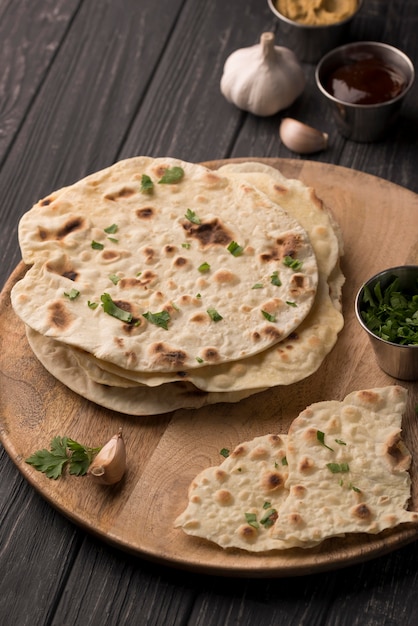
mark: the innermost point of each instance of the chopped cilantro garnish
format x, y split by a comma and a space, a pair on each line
192, 217
257, 286
252, 520
111, 230
199, 359
266, 505
114, 278
321, 438
235, 249
204, 267
113, 239
275, 280
172, 175
92, 305
214, 315
186, 245
72, 294
160, 319
291, 303
147, 185
269, 316
224, 452
284, 461
340, 442
269, 518
96, 245
335, 468
112, 309
391, 313
294, 264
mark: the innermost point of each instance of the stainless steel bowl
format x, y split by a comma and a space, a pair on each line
399, 361
310, 43
364, 122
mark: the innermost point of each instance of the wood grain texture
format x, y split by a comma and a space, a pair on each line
166, 452
55, 573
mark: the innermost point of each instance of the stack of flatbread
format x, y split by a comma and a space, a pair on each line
158, 284
341, 468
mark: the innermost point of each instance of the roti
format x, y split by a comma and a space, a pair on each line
157, 276
345, 471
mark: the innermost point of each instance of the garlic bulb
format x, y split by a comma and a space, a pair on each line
109, 465
301, 138
262, 79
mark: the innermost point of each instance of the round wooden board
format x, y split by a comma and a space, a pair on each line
379, 225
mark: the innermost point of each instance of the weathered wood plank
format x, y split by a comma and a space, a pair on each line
140, 95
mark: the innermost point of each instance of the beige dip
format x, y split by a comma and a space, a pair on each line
317, 12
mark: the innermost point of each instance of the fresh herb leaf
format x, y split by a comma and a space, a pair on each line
356, 489
214, 315
390, 313
275, 280
294, 264
96, 245
172, 175
147, 185
252, 520
268, 316
284, 461
204, 267
235, 249
63, 452
266, 505
340, 442
199, 359
186, 245
81, 457
72, 294
113, 239
160, 319
92, 305
112, 229
114, 278
291, 303
112, 309
192, 217
257, 286
224, 452
321, 438
335, 468
269, 518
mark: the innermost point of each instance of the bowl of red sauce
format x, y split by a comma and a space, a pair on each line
365, 84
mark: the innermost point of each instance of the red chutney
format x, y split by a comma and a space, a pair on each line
365, 80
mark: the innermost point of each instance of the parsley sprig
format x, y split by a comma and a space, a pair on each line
64, 452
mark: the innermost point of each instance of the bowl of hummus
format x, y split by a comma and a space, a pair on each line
311, 28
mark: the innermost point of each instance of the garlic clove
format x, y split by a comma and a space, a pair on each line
301, 138
109, 465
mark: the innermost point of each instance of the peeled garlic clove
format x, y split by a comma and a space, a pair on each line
302, 138
109, 466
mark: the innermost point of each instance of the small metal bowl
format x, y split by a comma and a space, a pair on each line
364, 122
399, 361
310, 43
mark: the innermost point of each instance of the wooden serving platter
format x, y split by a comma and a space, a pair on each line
379, 225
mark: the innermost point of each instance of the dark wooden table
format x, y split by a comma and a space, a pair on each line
84, 83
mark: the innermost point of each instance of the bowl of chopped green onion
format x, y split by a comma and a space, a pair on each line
387, 309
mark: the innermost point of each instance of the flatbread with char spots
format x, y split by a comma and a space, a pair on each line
345, 471
156, 276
